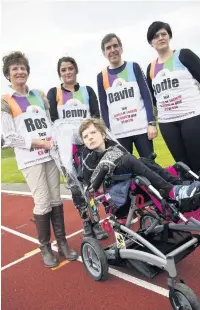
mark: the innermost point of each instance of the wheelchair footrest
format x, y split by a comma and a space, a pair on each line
145, 269
190, 204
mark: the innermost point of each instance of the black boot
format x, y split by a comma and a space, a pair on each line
57, 220
42, 223
98, 231
87, 228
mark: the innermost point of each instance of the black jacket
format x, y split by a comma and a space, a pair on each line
89, 159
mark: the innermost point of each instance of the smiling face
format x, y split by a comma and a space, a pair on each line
68, 73
18, 75
161, 40
113, 52
93, 138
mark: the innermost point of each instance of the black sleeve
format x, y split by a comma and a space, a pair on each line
51, 96
191, 61
144, 91
103, 100
93, 103
149, 82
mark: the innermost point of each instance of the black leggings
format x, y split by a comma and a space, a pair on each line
183, 141
159, 178
143, 145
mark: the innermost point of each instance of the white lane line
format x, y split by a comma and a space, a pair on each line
151, 287
128, 278
5, 191
34, 240
17, 233
18, 261
23, 225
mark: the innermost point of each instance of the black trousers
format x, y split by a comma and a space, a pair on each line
159, 178
143, 145
183, 140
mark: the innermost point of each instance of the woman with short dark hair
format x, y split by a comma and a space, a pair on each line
174, 79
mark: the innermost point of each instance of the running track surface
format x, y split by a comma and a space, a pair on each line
28, 285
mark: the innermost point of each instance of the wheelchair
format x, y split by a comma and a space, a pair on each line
165, 235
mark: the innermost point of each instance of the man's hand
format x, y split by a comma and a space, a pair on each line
152, 132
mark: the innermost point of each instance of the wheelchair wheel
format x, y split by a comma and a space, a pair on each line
147, 220
94, 259
186, 297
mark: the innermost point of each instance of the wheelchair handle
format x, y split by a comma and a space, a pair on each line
139, 180
152, 156
100, 178
181, 166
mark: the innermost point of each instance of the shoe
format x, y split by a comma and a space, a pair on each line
181, 192
98, 232
87, 229
57, 220
42, 223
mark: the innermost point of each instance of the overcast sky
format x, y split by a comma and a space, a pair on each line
48, 30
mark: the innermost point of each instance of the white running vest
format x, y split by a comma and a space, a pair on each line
73, 106
30, 120
176, 91
127, 114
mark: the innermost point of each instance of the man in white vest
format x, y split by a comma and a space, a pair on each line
125, 100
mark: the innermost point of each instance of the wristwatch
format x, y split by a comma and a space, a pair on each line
153, 123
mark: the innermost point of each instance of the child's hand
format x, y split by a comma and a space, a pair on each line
100, 189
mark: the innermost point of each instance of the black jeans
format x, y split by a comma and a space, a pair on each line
143, 145
183, 140
159, 178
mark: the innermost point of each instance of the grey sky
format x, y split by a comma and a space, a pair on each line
48, 30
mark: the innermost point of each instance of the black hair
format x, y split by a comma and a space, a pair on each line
66, 59
109, 37
155, 27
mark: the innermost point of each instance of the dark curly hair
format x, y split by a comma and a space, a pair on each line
155, 27
14, 58
66, 59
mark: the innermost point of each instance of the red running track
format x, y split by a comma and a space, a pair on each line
29, 285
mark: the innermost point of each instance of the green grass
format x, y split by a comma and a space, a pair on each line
9, 170
11, 174
164, 157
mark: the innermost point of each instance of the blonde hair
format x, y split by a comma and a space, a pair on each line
98, 124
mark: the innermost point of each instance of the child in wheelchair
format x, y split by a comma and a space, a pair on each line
110, 174
98, 152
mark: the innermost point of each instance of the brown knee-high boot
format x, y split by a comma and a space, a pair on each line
42, 223
57, 220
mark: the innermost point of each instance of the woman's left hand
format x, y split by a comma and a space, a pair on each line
152, 132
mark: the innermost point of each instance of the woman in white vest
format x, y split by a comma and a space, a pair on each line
26, 127
74, 103
174, 79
